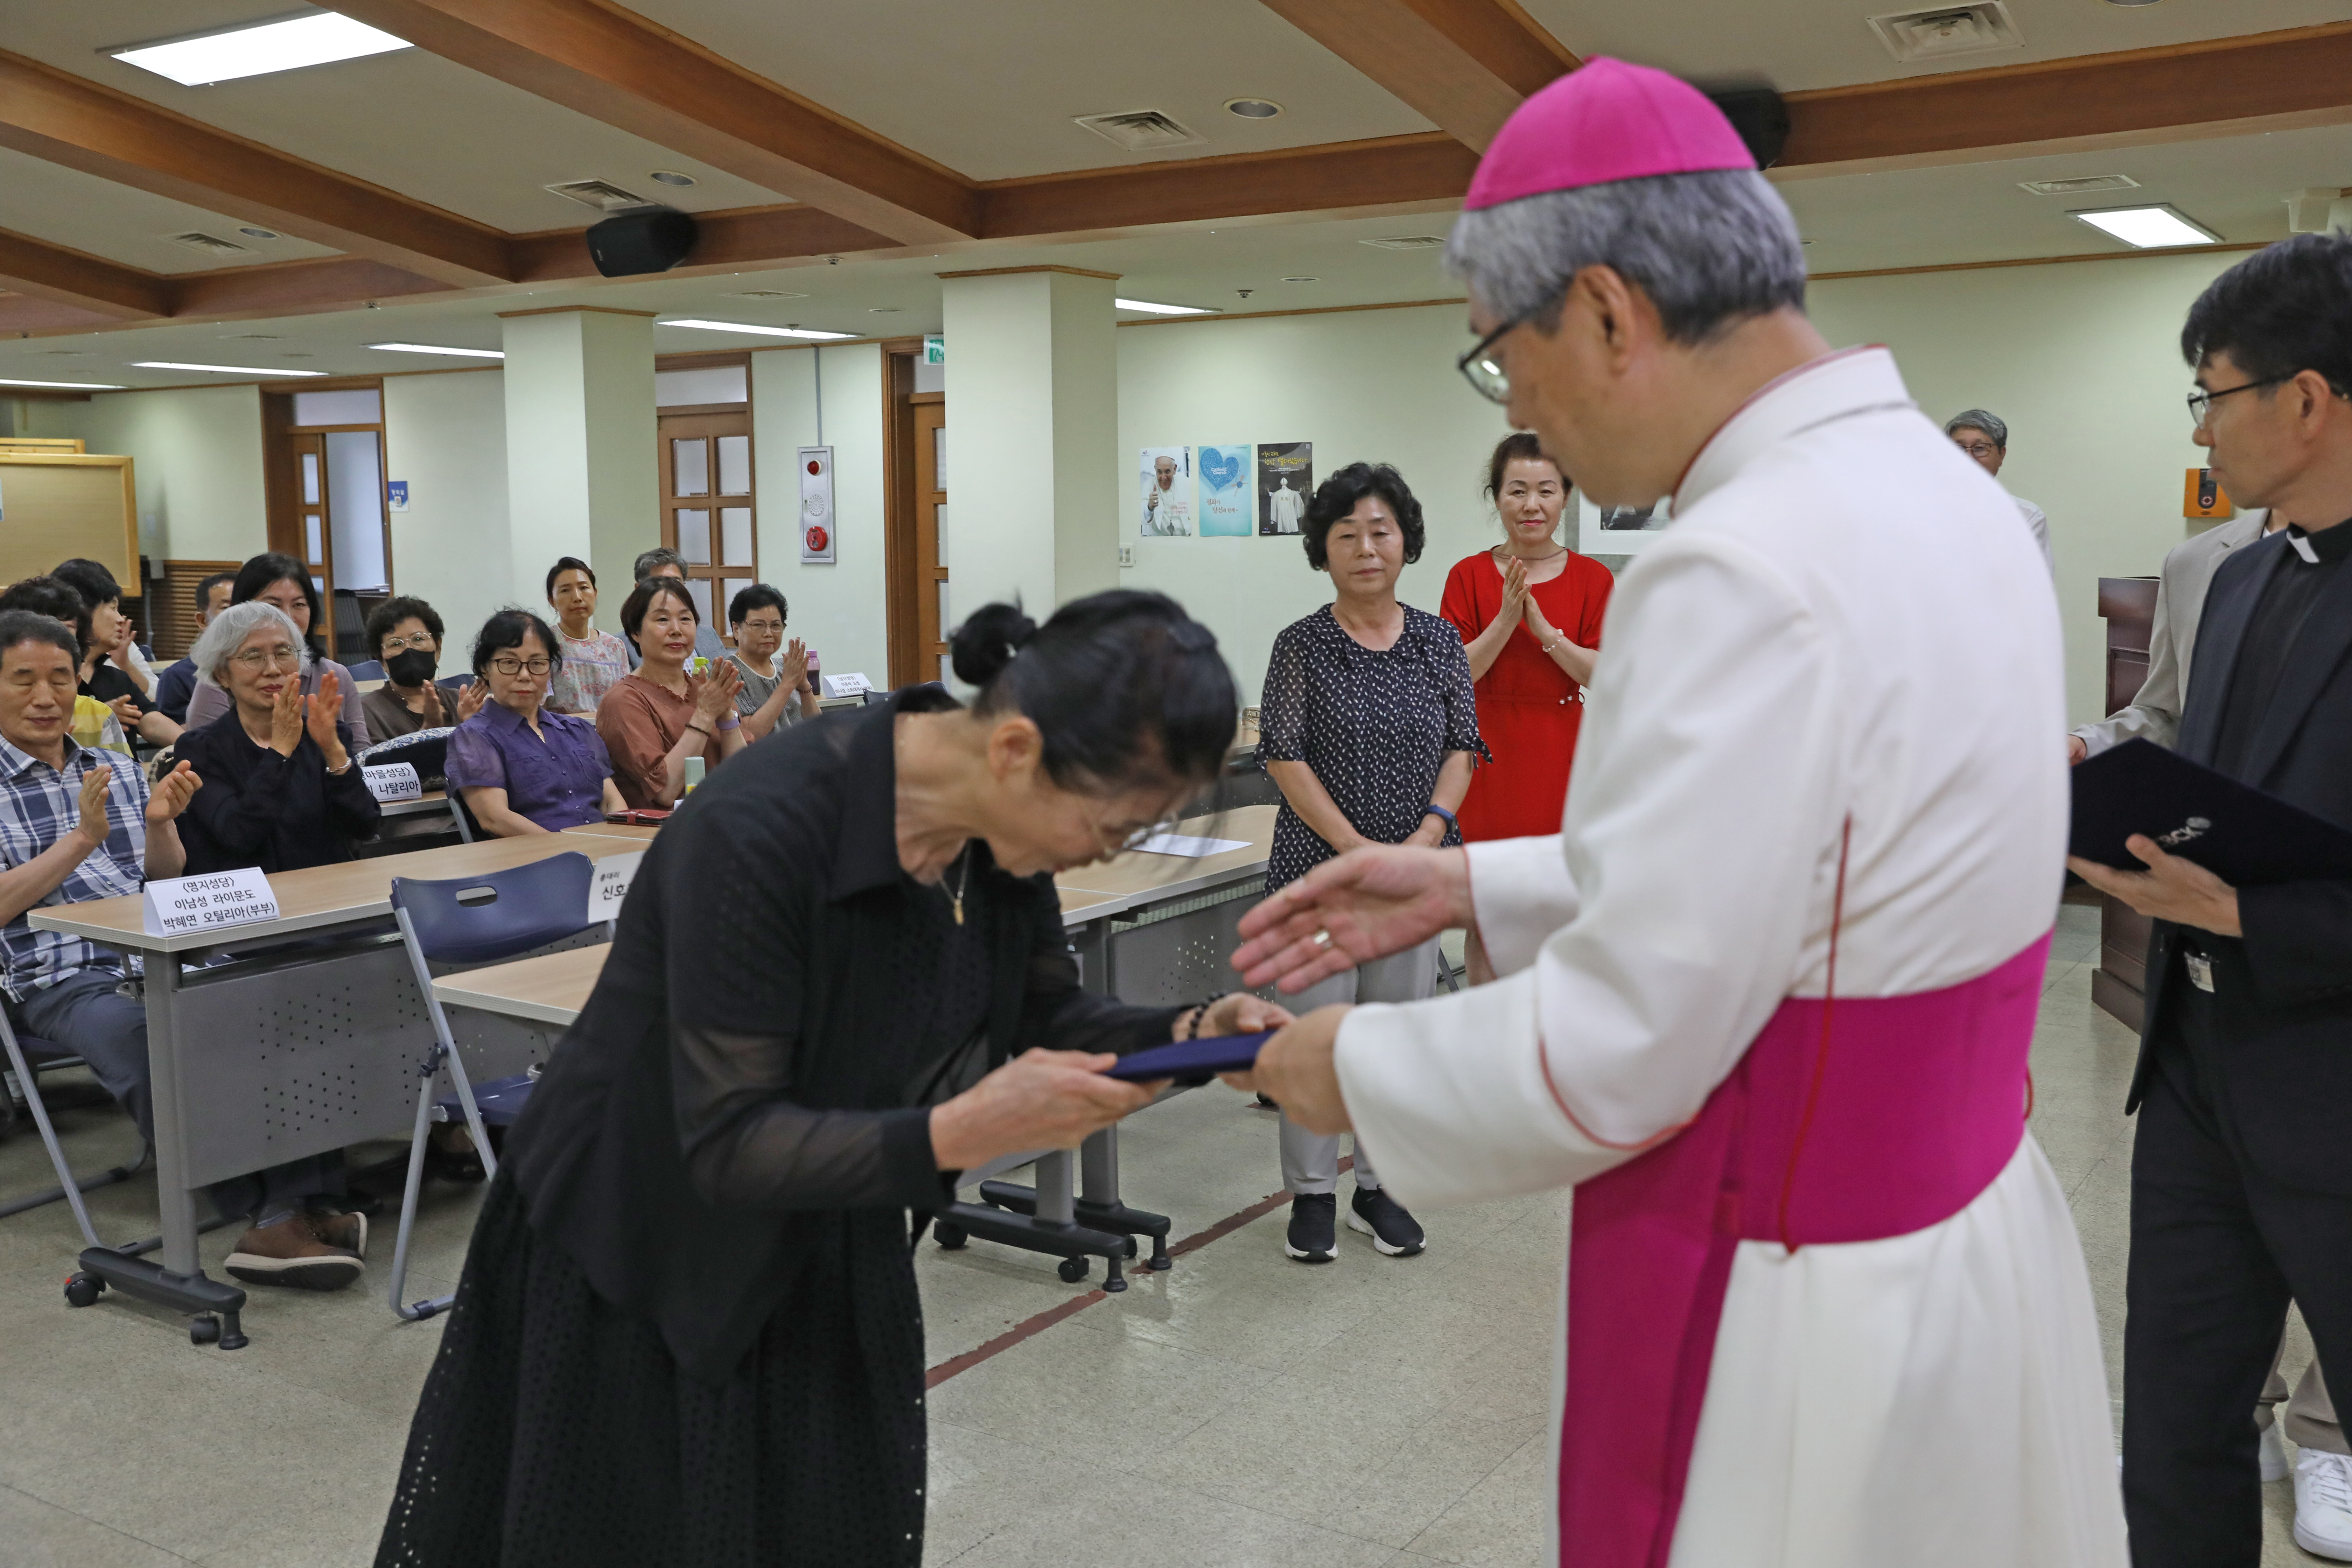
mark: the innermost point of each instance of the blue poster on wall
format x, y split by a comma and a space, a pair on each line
1226, 500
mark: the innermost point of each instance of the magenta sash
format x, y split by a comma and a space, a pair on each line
1908, 1112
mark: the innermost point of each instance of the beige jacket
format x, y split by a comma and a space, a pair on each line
2155, 714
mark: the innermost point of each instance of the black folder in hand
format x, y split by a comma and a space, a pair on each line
1192, 1061
2247, 838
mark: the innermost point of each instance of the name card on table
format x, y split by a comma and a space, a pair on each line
207, 903
393, 781
610, 887
850, 685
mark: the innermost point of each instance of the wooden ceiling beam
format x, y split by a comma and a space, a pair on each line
1463, 65
64, 118
616, 67
2220, 86
84, 282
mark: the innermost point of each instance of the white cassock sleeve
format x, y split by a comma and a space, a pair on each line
1644, 948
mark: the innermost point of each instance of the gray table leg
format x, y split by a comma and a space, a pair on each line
164, 1067
1092, 940
1098, 1166
1056, 1203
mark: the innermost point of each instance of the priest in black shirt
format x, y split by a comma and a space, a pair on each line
2241, 1173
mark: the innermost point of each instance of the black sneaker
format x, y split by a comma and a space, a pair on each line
1312, 1238
1382, 1217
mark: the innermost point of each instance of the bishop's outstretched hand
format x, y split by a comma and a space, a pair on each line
1367, 903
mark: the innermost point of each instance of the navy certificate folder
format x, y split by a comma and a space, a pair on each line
2247, 838
1192, 1061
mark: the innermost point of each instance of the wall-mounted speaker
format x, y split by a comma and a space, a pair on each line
1760, 117
653, 240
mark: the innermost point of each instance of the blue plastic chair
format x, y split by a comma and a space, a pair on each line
366, 670
26, 1058
471, 921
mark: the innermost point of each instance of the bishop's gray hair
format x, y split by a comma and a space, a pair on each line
1710, 249
1980, 419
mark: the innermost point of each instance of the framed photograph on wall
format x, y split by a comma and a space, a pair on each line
1167, 512
1227, 501
1618, 530
1285, 479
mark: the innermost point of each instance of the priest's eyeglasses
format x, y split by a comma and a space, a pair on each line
1482, 367
2201, 403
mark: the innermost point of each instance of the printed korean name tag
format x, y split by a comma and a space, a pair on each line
393, 781
206, 903
613, 875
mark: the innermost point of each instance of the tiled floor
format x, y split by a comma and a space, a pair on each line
1370, 1410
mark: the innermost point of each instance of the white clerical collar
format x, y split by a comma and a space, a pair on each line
1846, 382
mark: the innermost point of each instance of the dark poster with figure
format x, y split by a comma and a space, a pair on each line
1286, 478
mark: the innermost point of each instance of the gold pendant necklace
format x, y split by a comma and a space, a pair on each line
955, 899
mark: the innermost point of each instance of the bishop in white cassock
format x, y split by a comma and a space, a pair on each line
1766, 1000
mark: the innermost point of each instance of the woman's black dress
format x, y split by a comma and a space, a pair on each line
687, 1330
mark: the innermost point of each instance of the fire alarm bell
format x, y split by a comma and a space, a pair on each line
2204, 496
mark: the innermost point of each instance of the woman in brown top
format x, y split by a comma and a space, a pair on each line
405, 635
662, 713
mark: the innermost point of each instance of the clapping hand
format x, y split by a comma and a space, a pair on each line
470, 698
713, 695
286, 718
127, 709
1516, 600
94, 824
323, 707
793, 665
172, 793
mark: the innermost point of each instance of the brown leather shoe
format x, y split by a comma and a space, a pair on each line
290, 1253
348, 1231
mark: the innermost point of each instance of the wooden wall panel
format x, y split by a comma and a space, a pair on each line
174, 625
55, 506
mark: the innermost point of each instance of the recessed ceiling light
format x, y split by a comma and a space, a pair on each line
883, 309
672, 177
218, 369
256, 233
64, 385
1407, 242
760, 332
66, 353
252, 337
290, 43
1148, 308
2150, 228
765, 294
435, 348
1253, 107
2081, 185
1302, 279
2131, 2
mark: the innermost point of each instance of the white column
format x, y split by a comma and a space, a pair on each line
1032, 435
581, 477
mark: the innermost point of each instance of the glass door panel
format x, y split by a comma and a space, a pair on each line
690, 462
311, 482
694, 534
735, 536
734, 465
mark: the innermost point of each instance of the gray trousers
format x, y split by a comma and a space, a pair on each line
87, 1016
2309, 1419
1310, 1162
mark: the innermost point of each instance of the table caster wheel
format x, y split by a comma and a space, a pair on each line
83, 1289
1071, 1269
950, 1237
203, 1330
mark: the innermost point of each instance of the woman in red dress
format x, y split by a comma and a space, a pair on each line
1529, 615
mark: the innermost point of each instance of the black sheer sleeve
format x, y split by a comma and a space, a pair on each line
736, 902
1060, 1015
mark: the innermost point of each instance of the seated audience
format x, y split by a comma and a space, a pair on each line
76, 826
663, 561
405, 635
282, 790
97, 586
521, 766
588, 661
177, 683
284, 581
94, 724
104, 631
777, 689
661, 713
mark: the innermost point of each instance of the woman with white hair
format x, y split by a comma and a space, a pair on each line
1984, 436
283, 791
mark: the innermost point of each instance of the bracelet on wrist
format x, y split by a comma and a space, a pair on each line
1433, 809
700, 730
731, 724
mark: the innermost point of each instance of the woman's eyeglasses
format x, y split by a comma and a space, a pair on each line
512, 666
260, 658
423, 642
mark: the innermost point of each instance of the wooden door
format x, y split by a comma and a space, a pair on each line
704, 462
930, 562
314, 529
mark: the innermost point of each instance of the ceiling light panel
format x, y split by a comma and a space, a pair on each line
218, 369
809, 332
288, 43
1944, 31
437, 348
65, 385
1153, 309
2150, 228
2081, 186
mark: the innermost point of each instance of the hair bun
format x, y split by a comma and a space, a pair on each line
987, 640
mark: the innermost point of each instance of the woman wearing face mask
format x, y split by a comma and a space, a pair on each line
405, 634
662, 713
282, 581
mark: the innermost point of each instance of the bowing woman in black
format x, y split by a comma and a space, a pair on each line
687, 1330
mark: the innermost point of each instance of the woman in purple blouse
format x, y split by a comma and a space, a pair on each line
519, 766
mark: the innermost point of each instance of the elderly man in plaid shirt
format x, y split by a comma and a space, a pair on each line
76, 825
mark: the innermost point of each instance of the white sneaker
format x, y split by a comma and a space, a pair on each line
2323, 1504
2274, 1455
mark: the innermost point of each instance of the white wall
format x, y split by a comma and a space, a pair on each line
197, 457
447, 435
1367, 385
839, 610
2083, 362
